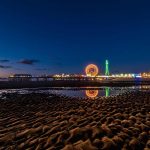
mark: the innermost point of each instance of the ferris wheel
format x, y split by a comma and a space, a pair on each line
91, 70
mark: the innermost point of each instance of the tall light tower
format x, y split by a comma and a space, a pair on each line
107, 68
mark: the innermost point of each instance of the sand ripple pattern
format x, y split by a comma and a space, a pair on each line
51, 122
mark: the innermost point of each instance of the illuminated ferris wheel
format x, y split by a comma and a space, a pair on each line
91, 70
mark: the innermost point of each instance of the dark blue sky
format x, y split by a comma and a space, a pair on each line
44, 36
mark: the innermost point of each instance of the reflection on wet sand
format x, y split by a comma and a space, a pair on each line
91, 93
145, 87
107, 91
95, 93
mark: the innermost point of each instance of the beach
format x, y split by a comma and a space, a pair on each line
38, 121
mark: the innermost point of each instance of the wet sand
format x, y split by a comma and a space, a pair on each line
51, 122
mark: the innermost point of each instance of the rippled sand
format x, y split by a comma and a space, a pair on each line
50, 122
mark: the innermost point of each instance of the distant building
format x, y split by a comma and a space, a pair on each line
145, 74
127, 75
20, 77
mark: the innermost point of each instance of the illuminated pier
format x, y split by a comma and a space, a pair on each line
91, 74
100, 78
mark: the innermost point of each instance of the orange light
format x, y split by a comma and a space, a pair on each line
91, 93
91, 70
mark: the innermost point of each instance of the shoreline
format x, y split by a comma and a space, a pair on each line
50, 84
52, 122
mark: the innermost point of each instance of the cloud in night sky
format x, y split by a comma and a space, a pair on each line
4, 60
5, 67
28, 61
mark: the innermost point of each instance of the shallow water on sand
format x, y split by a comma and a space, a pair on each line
79, 92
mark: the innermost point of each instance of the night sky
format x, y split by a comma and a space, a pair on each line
63, 36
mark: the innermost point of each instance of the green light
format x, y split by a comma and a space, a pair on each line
107, 91
107, 68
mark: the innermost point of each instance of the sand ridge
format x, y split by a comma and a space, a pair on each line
50, 122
